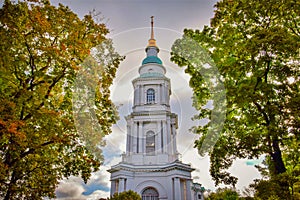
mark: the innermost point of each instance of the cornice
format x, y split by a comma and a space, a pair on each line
150, 79
152, 113
151, 168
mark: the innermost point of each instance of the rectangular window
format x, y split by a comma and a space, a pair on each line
150, 96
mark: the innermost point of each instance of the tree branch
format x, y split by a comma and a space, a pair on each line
31, 64
262, 112
26, 153
267, 70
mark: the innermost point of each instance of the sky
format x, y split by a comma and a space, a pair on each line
129, 24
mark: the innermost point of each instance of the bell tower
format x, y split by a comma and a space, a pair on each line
150, 165
151, 127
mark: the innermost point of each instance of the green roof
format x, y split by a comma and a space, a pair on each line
152, 59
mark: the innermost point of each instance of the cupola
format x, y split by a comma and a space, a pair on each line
152, 49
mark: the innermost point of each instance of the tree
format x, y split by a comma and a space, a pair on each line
44, 49
224, 194
268, 188
272, 188
255, 47
127, 195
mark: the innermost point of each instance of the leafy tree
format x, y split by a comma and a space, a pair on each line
42, 48
127, 195
272, 188
224, 194
267, 188
255, 47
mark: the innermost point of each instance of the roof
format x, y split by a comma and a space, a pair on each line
152, 59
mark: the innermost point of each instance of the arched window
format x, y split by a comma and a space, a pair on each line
150, 194
150, 96
150, 142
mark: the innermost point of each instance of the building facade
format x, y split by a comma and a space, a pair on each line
150, 165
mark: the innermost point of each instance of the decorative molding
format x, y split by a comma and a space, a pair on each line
151, 168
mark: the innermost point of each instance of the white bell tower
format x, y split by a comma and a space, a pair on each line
150, 165
151, 127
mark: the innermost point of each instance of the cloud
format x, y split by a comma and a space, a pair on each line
71, 188
201, 164
97, 187
245, 173
115, 144
97, 195
99, 179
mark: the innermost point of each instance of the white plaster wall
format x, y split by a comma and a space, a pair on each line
152, 68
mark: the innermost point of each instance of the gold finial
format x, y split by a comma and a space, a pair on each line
152, 41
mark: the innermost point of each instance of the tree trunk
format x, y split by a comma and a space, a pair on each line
277, 158
9, 191
7, 196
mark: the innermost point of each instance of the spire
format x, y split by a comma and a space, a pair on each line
152, 41
151, 49
152, 31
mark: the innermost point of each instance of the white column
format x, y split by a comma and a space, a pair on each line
142, 94
177, 189
128, 139
141, 138
158, 145
188, 189
161, 93
183, 185
169, 138
121, 185
134, 137
135, 96
174, 139
167, 95
113, 187
165, 141
157, 97
164, 100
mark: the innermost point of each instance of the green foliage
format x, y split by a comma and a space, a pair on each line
283, 186
127, 195
255, 47
224, 194
42, 47
266, 189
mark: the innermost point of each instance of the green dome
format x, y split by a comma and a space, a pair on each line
152, 59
